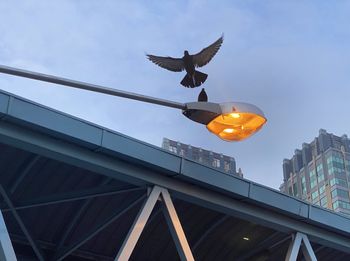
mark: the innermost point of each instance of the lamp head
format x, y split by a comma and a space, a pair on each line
231, 121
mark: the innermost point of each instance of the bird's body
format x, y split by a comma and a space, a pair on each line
202, 97
188, 63
193, 78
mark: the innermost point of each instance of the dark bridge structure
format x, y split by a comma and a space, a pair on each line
72, 190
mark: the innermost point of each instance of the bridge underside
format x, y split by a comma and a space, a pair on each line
56, 210
76, 191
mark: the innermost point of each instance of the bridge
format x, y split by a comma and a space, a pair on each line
72, 190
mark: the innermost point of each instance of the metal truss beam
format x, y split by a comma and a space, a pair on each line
24, 173
6, 249
73, 196
172, 219
29, 237
77, 216
138, 225
96, 230
157, 212
176, 230
295, 245
138, 175
208, 231
49, 246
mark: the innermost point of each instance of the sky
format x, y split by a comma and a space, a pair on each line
289, 58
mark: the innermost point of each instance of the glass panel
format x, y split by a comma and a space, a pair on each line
236, 126
335, 205
322, 189
340, 193
314, 195
216, 163
226, 166
303, 185
313, 181
340, 182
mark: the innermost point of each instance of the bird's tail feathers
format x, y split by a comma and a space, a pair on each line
200, 77
187, 81
196, 81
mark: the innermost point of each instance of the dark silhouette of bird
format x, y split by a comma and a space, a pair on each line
202, 97
189, 62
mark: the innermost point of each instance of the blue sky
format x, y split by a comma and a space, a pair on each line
290, 58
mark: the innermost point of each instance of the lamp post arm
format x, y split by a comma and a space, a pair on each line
89, 87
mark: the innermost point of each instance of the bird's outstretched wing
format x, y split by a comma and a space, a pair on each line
169, 63
203, 57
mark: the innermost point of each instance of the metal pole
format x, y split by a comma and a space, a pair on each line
89, 87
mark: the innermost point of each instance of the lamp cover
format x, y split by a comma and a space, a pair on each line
231, 121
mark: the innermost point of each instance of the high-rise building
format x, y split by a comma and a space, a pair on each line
209, 158
320, 172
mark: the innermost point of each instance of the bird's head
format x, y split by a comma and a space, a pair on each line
186, 52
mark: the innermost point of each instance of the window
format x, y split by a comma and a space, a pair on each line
227, 166
334, 193
324, 202
340, 193
320, 175
314, 195
343, 193
216, 163
303, 185
340, 182
322, 189
173, 149
335, 205
341, 204
313, 181
335, 164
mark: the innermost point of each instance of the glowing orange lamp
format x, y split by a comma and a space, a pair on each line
231, 121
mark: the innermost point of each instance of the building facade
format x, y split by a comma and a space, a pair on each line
320, 172
209, 158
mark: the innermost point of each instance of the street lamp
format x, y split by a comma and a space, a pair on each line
231, 121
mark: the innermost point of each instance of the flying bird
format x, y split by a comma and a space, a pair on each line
202, 97
189, 62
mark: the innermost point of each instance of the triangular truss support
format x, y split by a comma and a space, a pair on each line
177, 233
300, 240
6, 249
